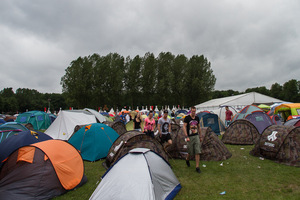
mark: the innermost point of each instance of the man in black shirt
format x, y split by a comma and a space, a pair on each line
191, 128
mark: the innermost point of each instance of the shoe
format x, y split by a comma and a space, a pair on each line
198, 170
187, 163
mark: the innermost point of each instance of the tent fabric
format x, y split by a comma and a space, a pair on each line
19, 140
237, 101
118, 126
93, 141
99, 117
66, 161
212, 148
129, 141
10, 128
256, 116
140, 174
276, 120
43, 178
281, 144
247, 111
211, 120
260, 120
241, 131
292, 122
38, 119
63, 127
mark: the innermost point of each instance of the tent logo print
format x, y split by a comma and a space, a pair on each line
272, 137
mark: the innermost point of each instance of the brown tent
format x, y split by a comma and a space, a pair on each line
280, 143
118, 126
131, 140
212, 148
241, 131
41, 171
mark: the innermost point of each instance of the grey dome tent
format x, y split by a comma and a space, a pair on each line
140, 174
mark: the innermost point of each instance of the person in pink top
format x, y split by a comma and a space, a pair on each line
228, 116
149, 124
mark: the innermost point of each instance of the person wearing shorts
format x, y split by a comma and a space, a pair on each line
164, 128
191, 128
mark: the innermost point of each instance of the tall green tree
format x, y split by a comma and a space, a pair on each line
164, 64
291, 91
148, 83
276, 91
132, 81
177, 81
78, 83
199, 81
9, 100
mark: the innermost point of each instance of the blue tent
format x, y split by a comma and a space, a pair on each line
10, 128
94, 141
211, 120
18, 140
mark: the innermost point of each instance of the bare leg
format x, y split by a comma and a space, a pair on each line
197, 158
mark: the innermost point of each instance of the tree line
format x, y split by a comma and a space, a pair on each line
113, 81
116, 81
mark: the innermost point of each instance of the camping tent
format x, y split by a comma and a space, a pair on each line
131, 140
256, 116
118, 126
211, 120
41, 171
291, 122
98, 116
63, 126
241, 131
237, 101
140, 174
10, 128
93, 141
279, 143
38, 119
212, 148
18, 140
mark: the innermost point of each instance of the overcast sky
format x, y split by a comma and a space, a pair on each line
249, 43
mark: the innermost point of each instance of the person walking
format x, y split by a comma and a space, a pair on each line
191, 128
137, 122
149, 124
164, 128
228, 116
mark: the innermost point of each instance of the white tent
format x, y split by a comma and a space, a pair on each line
100, 117
63, 126
140, 174
237, 102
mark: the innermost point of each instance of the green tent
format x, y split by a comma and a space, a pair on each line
38, 119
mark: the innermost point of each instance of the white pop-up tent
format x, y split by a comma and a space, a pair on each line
63, 126
140, 174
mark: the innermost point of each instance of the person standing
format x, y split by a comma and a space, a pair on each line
122, 118
228, 116
137, 122
191, 128
149, 124
164, 128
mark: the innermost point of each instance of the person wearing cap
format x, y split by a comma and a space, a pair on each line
191, 129
164, 128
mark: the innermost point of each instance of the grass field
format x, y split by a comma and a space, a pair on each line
242, 177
